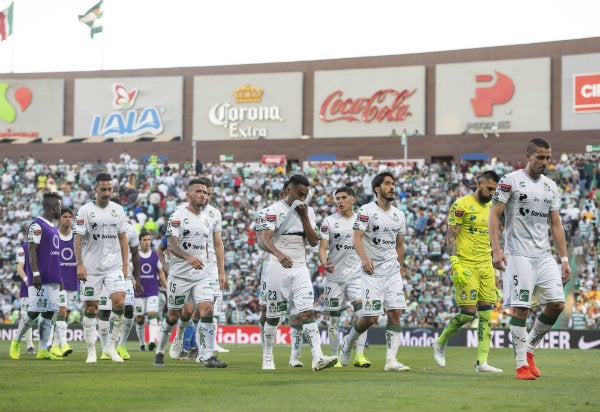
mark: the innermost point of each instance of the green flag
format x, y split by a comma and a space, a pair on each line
93, 19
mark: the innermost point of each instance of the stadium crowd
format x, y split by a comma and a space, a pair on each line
150, 190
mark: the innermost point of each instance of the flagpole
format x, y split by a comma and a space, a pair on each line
12, 45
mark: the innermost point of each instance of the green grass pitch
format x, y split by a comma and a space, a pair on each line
568, 382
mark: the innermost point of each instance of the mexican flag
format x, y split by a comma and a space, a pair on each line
6, 22
93, 19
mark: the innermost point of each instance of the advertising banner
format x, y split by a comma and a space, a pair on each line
494, 97
31, 110
419, 337
369, 102
580, 97
130, 109
248, 106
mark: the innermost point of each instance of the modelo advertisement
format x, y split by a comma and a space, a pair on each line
31, 110
248, 107
491, 98
369, 102
128, 109
580, 97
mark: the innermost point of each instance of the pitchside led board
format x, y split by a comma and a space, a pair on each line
369, 102
580, 99
31, 110
493, 97
248, 106
128, 109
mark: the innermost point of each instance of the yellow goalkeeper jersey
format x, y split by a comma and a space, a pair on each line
473, 240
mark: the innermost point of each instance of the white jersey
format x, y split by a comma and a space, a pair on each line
289, 233
214, 217
339, 233
380, 231
100, 227
133, 240
192, 232
528, 204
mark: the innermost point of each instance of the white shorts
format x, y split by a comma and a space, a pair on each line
578, 250
106, 304
381, 293
146, 305
179, 291
287, 289
213, 273
527, 277
91, 289
68, 299
45, 299
337, 292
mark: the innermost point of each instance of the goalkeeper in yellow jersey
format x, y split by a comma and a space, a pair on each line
475, 285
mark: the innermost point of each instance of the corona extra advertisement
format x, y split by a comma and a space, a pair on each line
248, 107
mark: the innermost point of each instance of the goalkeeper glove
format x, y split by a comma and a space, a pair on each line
458, 272
498, 294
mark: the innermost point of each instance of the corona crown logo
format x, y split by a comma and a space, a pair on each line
248, 94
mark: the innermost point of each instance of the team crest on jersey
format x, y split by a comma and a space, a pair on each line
175, 223
37, 232
459, 213
211, 214
271, 218
282, 215
336, 225
395, 217
92, 214
363, 218
113, 213
324, 229
79, 222
505, 187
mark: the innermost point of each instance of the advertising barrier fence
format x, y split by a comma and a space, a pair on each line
250, 334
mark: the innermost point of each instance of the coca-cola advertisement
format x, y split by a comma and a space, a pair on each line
370, 102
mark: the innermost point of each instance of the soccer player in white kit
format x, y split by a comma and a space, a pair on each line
342, 263
379, 241
105, 306
188, 231
530, 203
288, 223
102, 256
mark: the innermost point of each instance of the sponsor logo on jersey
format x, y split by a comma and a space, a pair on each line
271, 218
363, 218
459, 213
175, 223
505, 187
324, 228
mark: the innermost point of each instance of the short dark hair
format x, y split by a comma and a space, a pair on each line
206, 180
66, 209
345, 189
296, 180
196, 181
490, 175
378, 180
143, 233
535, 143
103, 177
48, 196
